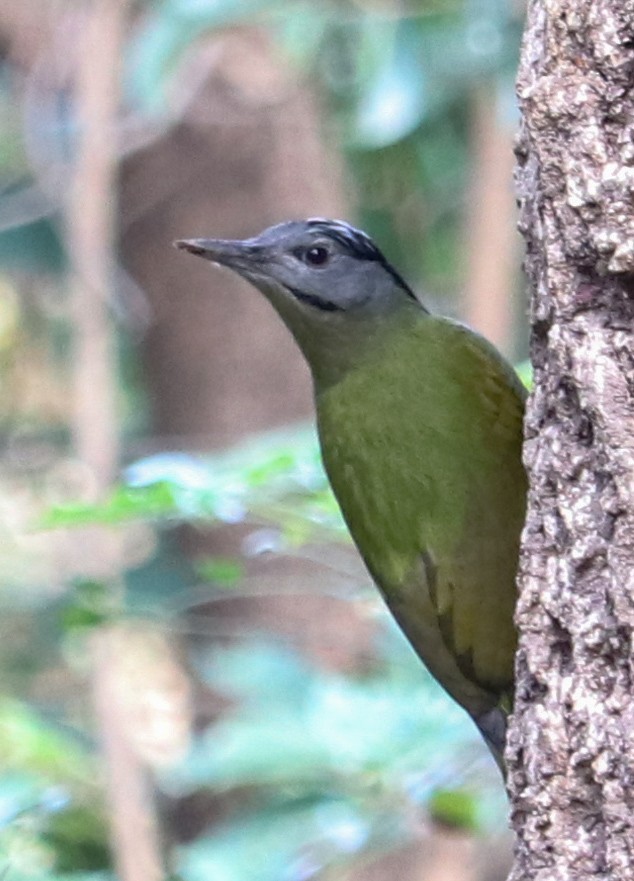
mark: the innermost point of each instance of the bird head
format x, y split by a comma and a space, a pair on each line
328, 281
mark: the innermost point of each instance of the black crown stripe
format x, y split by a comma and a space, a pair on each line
359, 245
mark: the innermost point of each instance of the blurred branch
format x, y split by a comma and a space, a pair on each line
90, 232
91, 217
25, 28
137, 854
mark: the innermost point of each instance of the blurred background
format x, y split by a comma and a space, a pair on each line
198, 679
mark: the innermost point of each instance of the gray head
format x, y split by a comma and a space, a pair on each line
328, 281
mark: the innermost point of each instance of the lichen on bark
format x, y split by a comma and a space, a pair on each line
570, 753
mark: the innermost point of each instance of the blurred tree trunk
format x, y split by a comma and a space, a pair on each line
90, 221
248, 151
571, 749
491, 235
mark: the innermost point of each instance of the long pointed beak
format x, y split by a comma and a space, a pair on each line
235, 254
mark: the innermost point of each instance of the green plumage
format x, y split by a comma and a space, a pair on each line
422, 444
420, 423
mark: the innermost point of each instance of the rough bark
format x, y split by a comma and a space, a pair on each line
571, 748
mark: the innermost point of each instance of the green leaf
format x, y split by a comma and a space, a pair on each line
457, 808
91, 593
124, 503
279, 463
77, 617
79, 838
31, 743
525, 373
222, 571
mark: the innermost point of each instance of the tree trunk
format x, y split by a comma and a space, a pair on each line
571, 748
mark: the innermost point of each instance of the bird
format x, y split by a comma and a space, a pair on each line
419, 421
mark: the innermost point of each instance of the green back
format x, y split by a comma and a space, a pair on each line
422, 444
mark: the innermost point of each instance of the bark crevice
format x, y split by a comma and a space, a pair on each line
571, 747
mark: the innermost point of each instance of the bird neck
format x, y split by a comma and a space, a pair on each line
336, 344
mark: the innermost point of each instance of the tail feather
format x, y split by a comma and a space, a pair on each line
492, 726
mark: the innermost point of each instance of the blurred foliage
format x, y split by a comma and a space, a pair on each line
51, 817
335, 766
398, 78
329, 766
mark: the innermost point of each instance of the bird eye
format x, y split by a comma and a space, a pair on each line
318, 255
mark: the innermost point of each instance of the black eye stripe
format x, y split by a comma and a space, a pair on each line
312, 300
